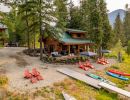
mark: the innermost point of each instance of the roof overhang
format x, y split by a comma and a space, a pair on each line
73, 31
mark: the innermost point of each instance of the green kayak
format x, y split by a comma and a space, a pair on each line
100, 78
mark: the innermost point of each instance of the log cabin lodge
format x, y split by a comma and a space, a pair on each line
71, 41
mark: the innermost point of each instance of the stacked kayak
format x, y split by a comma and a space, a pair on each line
117, 76
119, 72
100, 78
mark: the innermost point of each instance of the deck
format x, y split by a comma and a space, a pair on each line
115, 89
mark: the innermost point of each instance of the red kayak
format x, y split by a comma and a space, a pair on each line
119, 73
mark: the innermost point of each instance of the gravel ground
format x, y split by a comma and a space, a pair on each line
14, 62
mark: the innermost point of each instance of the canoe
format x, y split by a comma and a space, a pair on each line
119, 72
117, 76
67, 97
100, 78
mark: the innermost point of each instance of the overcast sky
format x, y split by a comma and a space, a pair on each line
111, 4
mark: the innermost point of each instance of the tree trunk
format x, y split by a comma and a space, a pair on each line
28, 35
41, 49
34, 41
40, 20
34, 46
3, 42
99, 51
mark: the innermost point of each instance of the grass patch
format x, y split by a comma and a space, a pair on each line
105, 95
16, 96
1, 46
114, 67
75, 88
78, 89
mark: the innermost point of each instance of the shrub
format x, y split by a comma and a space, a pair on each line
115, 67
123, 58
128, 48
3, 80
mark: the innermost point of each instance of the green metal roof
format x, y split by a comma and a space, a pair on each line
66, 38
75, 31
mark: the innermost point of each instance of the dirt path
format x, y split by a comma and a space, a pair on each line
13, 63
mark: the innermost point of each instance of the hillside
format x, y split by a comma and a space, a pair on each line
112, 15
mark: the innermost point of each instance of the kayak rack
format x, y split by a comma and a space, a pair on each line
93, 82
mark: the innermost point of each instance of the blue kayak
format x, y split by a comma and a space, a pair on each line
117, 76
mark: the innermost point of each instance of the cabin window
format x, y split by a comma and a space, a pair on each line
78, 35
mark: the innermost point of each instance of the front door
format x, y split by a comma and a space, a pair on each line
51, 48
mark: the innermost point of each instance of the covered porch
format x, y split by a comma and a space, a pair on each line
76, 48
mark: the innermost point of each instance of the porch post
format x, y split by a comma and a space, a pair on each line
78, 49
88, 48
85, 48
69, 49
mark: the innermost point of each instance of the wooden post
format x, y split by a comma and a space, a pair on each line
69, 49
85, 48
78, 49
88, 48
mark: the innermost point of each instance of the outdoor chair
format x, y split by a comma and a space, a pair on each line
88, 64
35, 72
83, 67
34, 76
34, 80
55, 54
27, 74
102, 61
63, 52
39, 77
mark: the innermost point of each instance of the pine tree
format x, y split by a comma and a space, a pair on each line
15, 24
74, 16
128, 48
118, 30
61, 12
107, 30
95, 22
84, 15
75, 19
38, 14
127, 24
